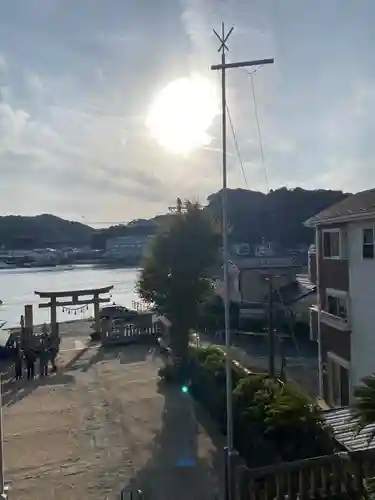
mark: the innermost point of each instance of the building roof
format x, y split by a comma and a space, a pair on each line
266, 262
356, 206
296, 290
344, 430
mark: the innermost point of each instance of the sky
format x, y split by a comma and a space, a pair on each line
85, 134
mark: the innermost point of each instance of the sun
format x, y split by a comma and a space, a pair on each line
182, 113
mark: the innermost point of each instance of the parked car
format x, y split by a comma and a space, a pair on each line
117, 312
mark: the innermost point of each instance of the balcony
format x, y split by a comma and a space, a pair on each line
333, 321
341, 324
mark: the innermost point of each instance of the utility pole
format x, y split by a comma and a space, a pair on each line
271, 330
223, 38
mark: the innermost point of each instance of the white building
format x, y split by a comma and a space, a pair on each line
131, 247
343, 320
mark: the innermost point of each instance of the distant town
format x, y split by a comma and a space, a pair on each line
123, 250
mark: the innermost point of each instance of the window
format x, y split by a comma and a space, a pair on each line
337, 306
368, 244
337, 303
331, 244
338, 380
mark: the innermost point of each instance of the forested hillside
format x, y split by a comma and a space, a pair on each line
277, 216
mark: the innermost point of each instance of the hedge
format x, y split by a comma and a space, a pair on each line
272, 421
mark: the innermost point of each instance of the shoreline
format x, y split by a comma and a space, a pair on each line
13, 329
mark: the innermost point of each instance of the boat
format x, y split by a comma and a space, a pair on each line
1, 302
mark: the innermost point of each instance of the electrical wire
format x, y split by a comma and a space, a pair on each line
266, 177
259, 132
236, 145
236, 142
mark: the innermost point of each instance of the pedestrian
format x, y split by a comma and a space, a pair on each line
54, 345
18, 361
30, 358
43, 361
44, 354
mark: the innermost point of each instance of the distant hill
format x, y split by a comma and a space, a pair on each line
277, 216
41, 231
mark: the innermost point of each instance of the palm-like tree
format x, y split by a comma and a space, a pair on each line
363, 406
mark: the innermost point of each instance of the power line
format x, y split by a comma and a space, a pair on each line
236, 146
236, 143
259, 131
264, 166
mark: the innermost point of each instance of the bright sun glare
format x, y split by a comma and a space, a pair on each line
182, 113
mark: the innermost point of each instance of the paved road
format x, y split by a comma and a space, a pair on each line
301, 356
102, 424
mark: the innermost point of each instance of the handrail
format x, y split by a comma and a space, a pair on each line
309, 478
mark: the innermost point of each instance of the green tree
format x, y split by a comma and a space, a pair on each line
175, 273
363, 406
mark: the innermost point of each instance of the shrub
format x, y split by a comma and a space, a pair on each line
272, 420
295, 425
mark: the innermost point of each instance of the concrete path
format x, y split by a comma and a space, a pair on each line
102, 424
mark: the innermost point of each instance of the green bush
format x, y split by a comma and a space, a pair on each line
272, 420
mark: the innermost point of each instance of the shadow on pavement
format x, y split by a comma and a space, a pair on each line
176, 471
14, 391
126, 354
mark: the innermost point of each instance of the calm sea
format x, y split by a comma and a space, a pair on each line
17, 289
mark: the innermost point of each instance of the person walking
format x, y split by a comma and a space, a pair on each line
43, 360
43, 354
18, 361
54, 346
30, 358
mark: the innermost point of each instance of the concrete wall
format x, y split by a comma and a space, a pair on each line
255, 288
362, 304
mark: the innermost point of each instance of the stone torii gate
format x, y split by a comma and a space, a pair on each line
74, 298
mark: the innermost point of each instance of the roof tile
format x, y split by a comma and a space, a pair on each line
355, 204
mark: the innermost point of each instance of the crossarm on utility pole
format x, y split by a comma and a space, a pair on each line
243, 64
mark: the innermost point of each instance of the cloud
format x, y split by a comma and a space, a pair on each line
77, 82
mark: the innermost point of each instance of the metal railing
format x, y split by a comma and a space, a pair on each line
131, 495
309, 479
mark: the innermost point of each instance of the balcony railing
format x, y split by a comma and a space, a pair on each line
309, 479
335, 321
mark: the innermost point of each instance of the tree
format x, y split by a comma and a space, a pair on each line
363, 406
175, 273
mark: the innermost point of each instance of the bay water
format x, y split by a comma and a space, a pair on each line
17, 288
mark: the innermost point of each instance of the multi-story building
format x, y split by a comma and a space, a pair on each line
342, 264
249, 278
126, 247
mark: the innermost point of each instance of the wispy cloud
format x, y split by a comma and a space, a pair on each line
78, 79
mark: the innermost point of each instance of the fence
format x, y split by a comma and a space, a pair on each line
343, 475
139, 306
131, 333
131, 495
